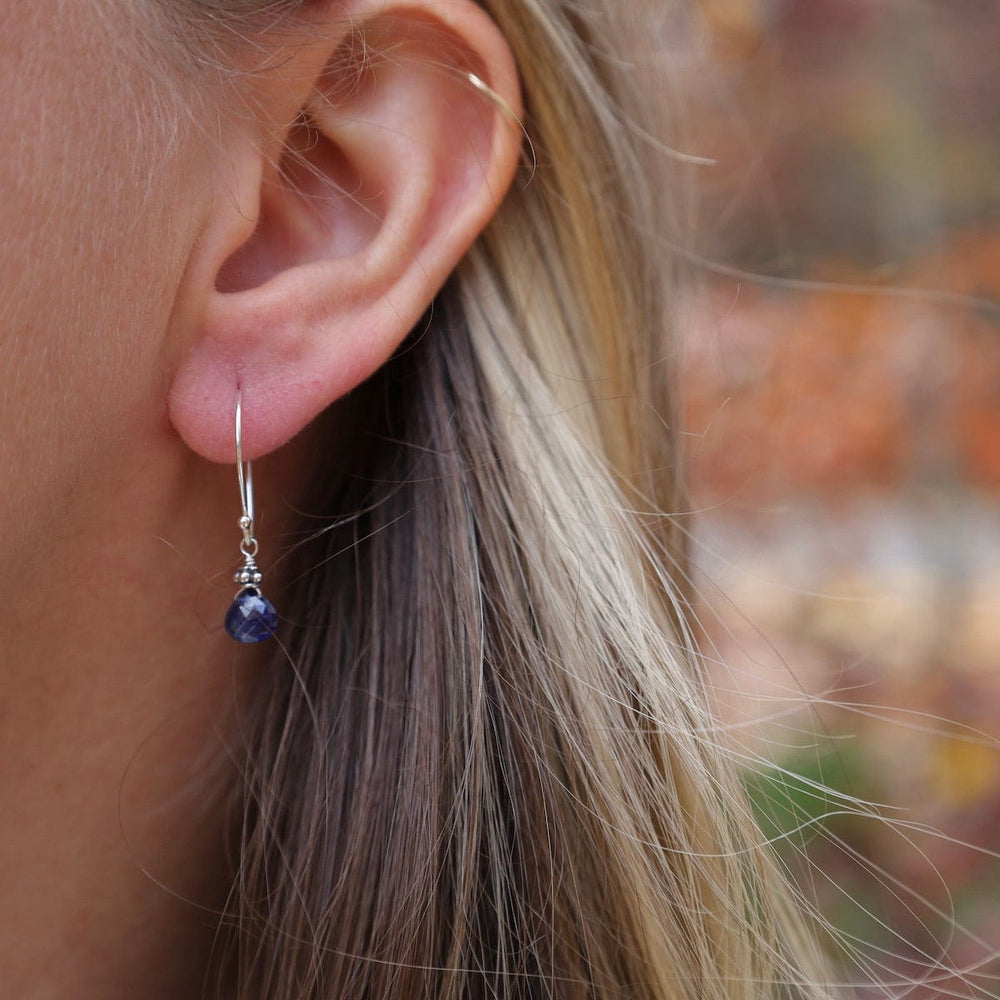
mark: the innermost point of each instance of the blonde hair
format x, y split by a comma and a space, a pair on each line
494, 771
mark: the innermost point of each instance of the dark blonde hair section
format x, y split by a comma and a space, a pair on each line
493, 772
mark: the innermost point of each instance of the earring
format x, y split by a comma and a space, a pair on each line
251, 617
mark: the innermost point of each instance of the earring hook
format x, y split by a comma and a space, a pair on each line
244, 472
244, 469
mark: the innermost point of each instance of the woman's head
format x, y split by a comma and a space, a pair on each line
481, 763
201, 201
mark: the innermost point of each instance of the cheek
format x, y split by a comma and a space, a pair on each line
92, 244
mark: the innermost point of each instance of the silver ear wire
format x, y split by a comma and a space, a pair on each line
249, 575
243, 471
251, 617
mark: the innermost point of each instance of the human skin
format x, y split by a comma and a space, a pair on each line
123, 341
111, 531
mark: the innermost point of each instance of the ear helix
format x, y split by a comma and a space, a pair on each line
251, 617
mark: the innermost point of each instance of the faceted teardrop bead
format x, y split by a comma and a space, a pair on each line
251, 617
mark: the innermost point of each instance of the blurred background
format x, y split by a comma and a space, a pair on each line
843, 432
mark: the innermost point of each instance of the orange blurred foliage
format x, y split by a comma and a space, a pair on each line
829, 391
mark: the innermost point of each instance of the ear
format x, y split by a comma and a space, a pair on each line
375, 151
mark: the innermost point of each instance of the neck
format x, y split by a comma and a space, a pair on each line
119, 704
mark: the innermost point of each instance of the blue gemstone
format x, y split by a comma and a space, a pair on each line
251, 617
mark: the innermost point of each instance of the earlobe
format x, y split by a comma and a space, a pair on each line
392, 164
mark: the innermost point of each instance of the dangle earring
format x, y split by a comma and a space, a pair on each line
251, 617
